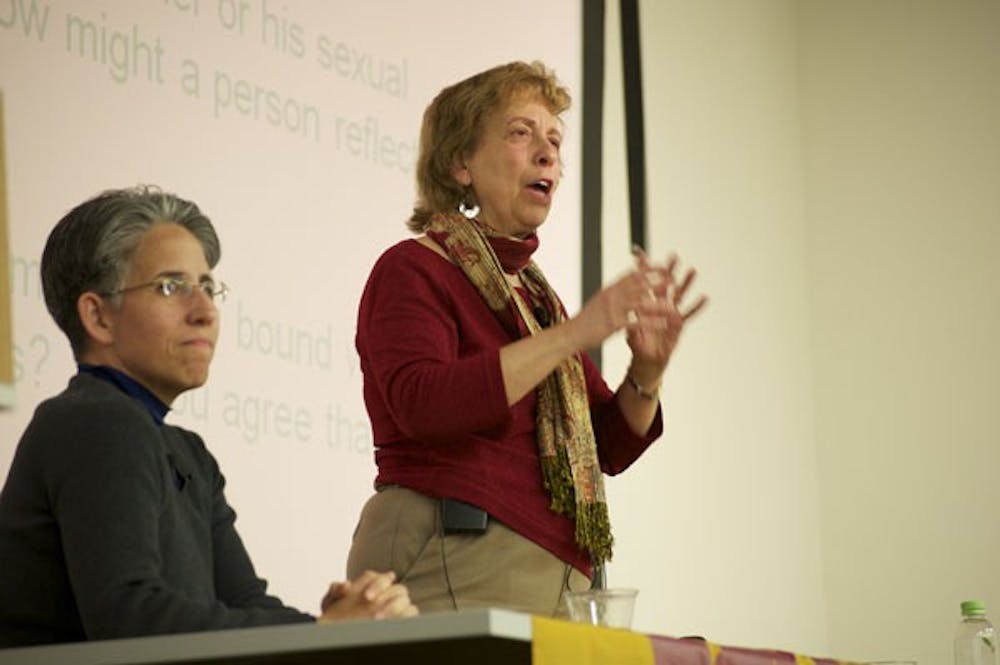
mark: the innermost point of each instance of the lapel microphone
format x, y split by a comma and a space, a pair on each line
542, 316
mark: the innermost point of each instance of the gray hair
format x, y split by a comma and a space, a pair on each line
91, 248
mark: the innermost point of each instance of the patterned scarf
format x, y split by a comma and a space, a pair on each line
571, 471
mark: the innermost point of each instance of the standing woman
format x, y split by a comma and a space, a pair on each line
491, 425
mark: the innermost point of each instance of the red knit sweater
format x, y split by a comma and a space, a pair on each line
429, 348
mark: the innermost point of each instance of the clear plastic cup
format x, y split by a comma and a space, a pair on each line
602, 607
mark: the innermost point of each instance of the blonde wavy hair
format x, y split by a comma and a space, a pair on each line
453, 125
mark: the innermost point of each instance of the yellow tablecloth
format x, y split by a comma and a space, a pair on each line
555, 642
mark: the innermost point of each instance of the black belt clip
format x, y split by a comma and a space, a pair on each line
460, 517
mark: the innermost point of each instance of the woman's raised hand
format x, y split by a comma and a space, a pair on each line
661, 317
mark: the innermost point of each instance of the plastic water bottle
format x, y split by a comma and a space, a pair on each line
976, 638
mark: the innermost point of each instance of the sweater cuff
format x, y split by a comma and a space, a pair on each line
619, 445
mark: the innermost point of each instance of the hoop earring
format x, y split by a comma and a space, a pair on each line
468, 211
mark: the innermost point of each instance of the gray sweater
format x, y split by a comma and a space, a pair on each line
114, 526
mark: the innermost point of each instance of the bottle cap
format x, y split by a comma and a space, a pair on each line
973, 608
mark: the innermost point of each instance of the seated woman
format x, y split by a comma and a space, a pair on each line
114, 523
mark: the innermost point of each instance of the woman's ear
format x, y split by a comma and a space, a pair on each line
94, 316
460, 172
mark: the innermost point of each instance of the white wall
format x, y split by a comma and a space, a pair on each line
828, 480
902, 132
718, 524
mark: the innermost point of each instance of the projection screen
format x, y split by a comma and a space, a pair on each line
294, 125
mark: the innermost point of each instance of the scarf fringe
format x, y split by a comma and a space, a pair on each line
558, 480
593, 525
593, 530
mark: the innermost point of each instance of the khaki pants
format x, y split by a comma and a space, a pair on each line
400, 530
